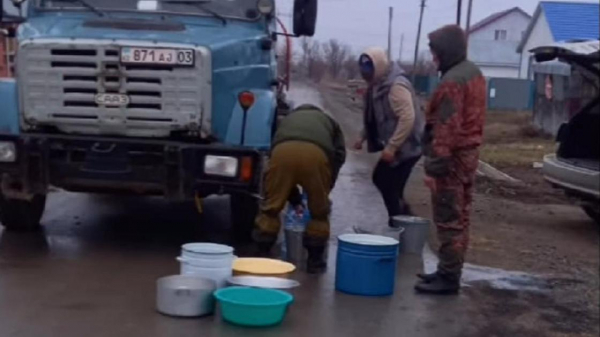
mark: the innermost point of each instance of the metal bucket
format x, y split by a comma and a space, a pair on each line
416, 231
295, 253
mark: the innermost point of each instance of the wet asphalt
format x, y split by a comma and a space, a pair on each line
92, 270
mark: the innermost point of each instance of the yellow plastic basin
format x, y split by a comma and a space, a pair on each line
262, 267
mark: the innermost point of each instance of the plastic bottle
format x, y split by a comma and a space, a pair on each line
296, 222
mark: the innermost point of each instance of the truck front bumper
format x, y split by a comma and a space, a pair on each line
175, 169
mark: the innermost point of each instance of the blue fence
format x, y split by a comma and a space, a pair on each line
510, 94
507, 94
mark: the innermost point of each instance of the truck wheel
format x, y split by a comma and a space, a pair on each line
592, 212
22, 215
244, 209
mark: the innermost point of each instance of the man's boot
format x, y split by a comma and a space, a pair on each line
441, 285
262, 245
316, 263
428, 278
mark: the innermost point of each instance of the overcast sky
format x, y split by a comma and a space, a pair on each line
364, 23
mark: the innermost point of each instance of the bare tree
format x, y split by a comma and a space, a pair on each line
330, 57
312, 60
424, 66
351, 67
335, 54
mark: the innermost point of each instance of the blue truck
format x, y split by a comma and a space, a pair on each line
177, 98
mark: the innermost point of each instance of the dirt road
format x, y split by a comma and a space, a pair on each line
543, 236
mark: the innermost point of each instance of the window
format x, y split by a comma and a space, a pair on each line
500, 34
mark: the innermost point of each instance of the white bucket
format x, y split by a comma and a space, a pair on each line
217, 274
207, 260
206, 251
208, 263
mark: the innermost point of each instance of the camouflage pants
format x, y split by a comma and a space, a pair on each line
451, 210
296, 163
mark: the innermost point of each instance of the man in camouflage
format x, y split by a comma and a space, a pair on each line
308, 150
453, 134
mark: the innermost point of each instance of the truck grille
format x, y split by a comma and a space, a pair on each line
59, 83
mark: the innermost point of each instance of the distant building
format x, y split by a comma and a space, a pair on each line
557, 22
493, 41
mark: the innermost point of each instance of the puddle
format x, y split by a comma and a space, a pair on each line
496, 278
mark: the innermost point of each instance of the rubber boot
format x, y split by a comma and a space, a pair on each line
428, 278
263, 244
441, 285
316, 263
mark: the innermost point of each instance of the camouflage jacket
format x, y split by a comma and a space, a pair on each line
455, 117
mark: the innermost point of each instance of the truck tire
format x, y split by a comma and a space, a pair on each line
244, 209
592, 212
22, 215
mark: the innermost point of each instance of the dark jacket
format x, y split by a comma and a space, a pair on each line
456, 112
310, 124
381, 121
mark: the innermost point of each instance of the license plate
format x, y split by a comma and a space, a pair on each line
112, 100
179, 57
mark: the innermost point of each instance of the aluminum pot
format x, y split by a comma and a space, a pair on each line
263, 282
185, 296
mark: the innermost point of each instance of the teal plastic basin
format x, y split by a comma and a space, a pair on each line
253, 306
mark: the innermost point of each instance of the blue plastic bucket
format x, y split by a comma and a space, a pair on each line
366, 264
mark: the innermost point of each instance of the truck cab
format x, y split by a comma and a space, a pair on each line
176, 98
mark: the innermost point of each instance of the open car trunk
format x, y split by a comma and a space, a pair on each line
579, 138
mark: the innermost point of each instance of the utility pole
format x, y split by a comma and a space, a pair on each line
414, 70
390, 34
401, 47
469, 10
458, 12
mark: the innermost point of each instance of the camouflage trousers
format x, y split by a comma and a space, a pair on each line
296, 163
451, 202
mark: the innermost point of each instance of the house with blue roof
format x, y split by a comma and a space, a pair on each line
555, 22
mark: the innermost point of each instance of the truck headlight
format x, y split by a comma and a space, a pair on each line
8, 152
221, 166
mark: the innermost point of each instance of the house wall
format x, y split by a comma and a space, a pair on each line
498, 58
515, 24
500, 72
540, 35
